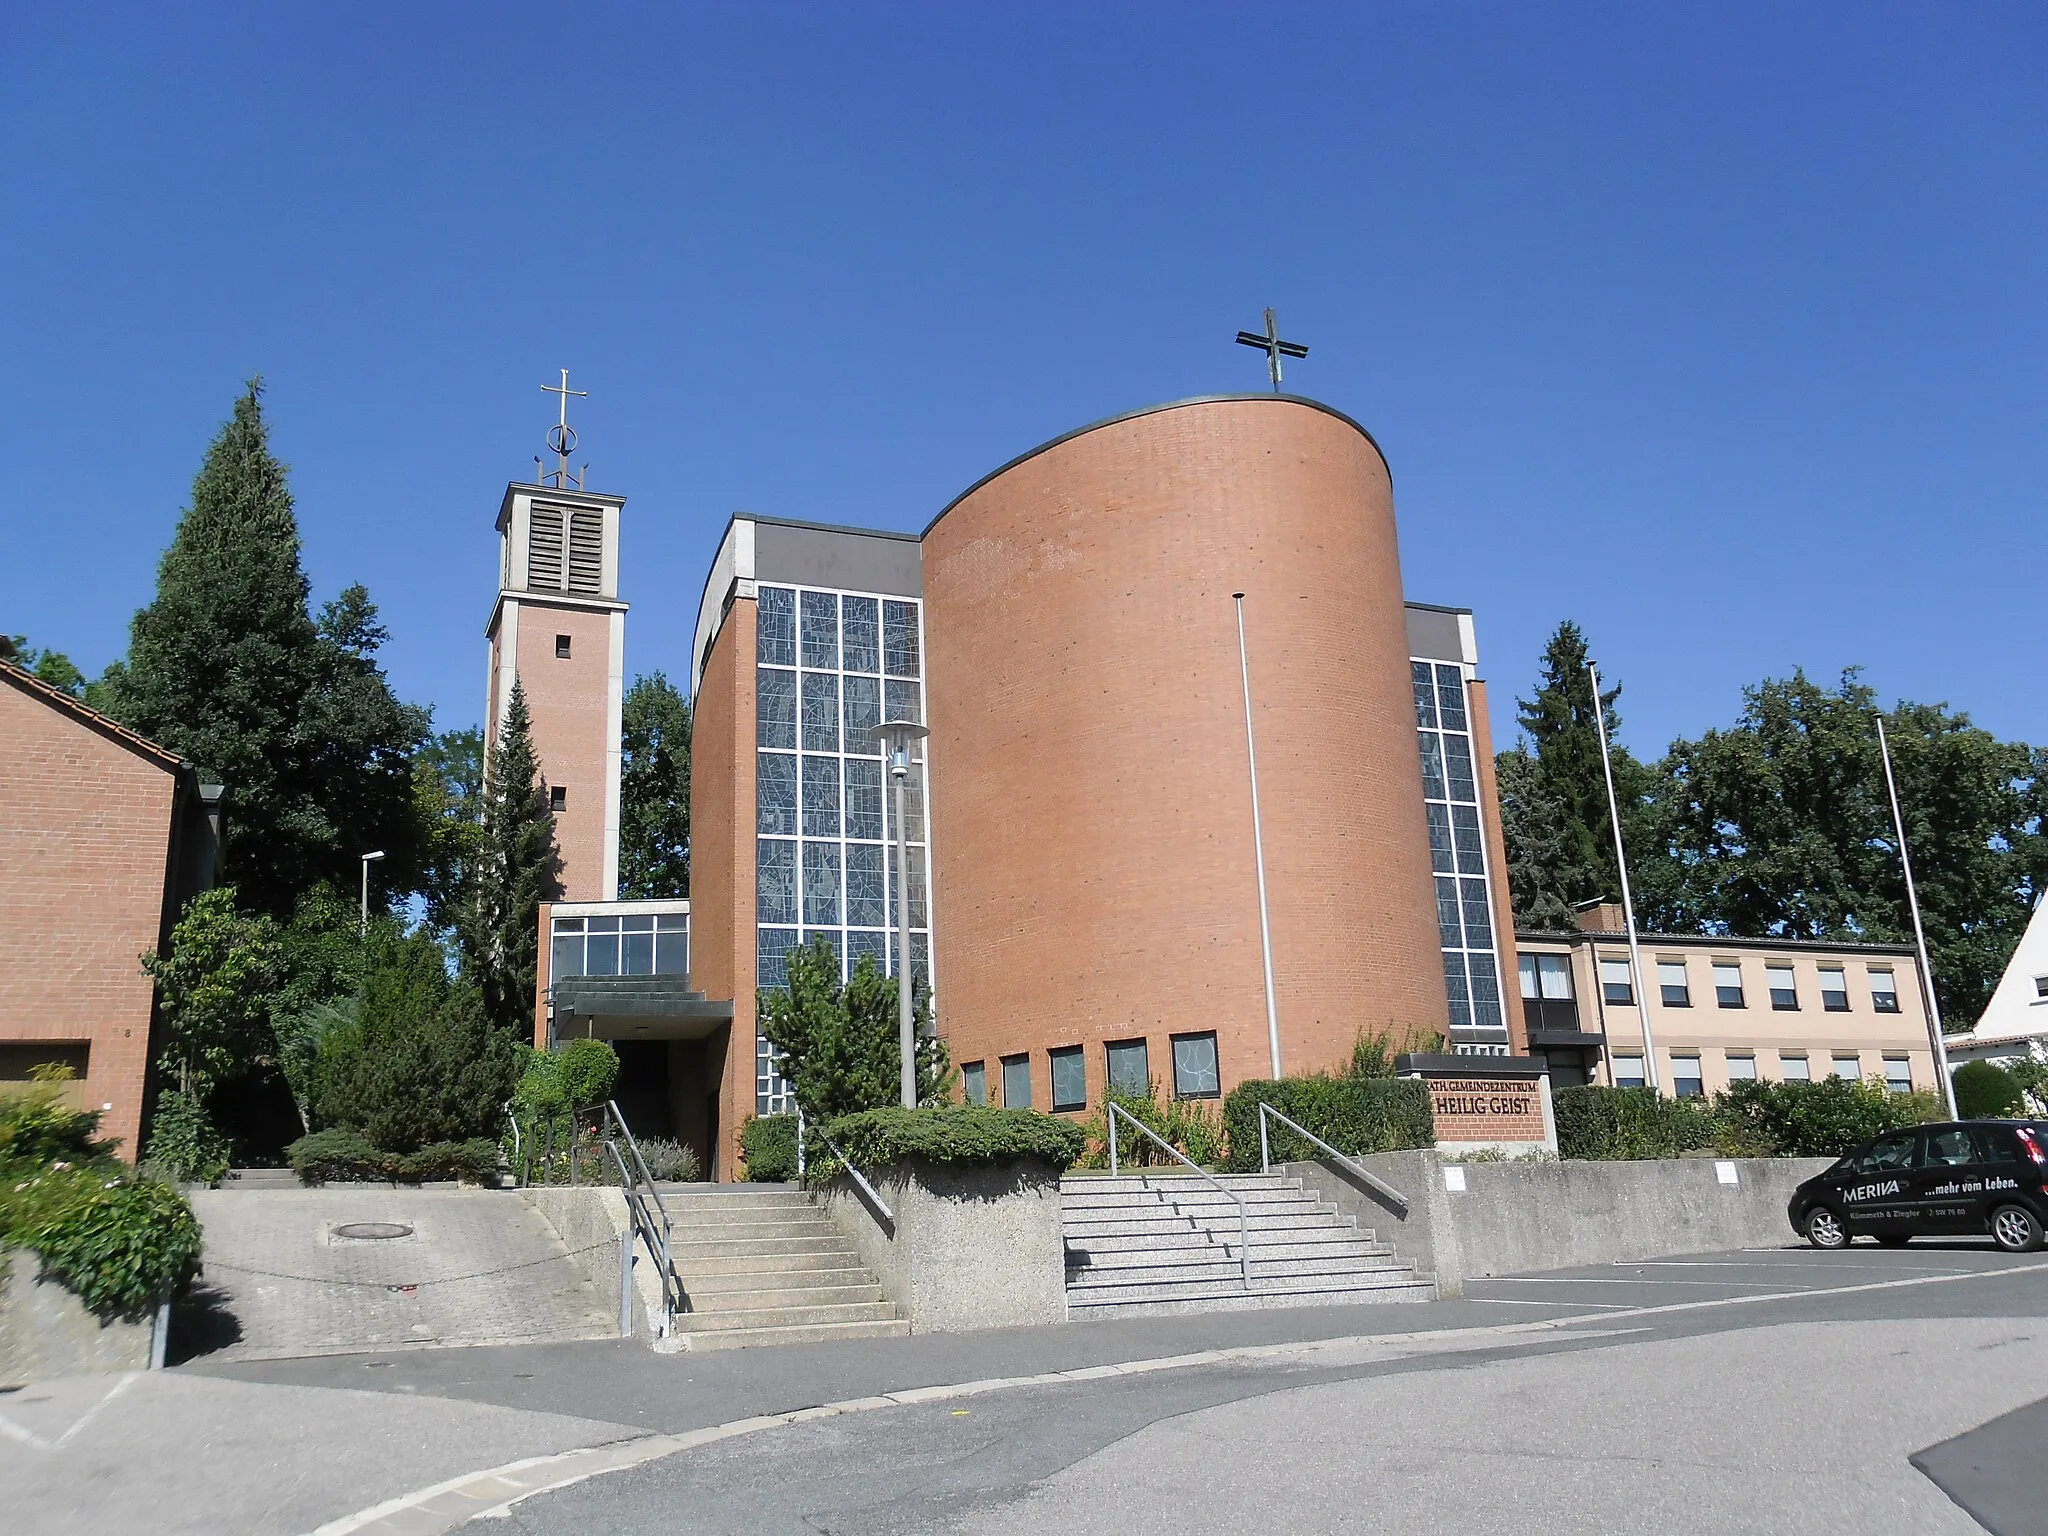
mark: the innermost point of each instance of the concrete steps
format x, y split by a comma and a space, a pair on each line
763, 1267
1159, 1244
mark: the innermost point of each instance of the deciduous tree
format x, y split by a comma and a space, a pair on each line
654, 791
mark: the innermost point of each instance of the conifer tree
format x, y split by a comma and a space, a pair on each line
228, 667
512, 871
1554, 813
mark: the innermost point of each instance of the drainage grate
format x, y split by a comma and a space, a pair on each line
372, 1229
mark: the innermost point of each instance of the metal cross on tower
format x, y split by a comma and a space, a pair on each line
562, 436
1270, 343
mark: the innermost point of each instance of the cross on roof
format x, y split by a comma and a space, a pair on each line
1269, 343
562, 436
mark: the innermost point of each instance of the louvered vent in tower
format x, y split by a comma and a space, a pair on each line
544, 550
586, 552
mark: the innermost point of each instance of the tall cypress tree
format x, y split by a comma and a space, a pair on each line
228, 667
512, 871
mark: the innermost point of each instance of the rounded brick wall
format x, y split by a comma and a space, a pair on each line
1091, 802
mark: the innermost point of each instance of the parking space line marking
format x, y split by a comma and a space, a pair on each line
1821, 1263
1596, 1280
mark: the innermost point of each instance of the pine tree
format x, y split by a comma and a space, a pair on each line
654, 791
513, 870
228, 667
1554, 812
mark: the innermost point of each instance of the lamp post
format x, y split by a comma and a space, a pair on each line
368, 860
1934, 1034
1628, 904
896, 738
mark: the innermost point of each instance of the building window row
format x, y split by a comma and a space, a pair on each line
1687, 1081
1674, 986
644, 945
1126, 1068
1457, 852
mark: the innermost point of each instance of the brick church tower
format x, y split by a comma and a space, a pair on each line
559, 628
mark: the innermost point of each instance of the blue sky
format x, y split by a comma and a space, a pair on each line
1722, 330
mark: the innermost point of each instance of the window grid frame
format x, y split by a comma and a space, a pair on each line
1473, 1036
851, 940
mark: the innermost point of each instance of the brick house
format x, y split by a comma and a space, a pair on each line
104, 836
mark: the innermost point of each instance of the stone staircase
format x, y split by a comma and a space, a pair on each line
1158, 1243
762, 1265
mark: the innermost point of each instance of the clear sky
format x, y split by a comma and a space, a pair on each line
1722, 329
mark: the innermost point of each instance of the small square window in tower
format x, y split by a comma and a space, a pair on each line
558, 798
561, 647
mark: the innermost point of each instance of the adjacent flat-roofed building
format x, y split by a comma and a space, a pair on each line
104, 836
1722, 1010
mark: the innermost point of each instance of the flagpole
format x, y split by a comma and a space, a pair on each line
1628, 905
1934, 1035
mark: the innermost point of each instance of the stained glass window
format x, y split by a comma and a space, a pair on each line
1457, 851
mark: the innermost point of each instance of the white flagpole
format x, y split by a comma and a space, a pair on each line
1628, 905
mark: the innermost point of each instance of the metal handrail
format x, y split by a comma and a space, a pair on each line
1379, 1186
649, 1212
1244, 1227
518, 1166
855, 1174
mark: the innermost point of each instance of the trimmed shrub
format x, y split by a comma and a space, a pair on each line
38, 1126
669, 1161
1356, 1115
1814, 1119
1986, 1091
768, 1148
952, 1134
345, 1156
122, 1248
1616, 1124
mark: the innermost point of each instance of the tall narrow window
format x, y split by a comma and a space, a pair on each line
1129, 1071
1069, 1078
1016, 1082
974, 1081
544, 549
1834, 989
1884, 992
562, 647
1195, 1073
586, 553
1450, 789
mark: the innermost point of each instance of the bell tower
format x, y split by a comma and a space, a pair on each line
559, 628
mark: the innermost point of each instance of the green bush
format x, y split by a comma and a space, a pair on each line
1986, 1091
343, 1155
841, 1044
1356, 1115
1188, 1125
768, 1148
670, 1161
1814, 1119
1616, 1124
123, 1248
185, 1143
38, 1126
952, 1133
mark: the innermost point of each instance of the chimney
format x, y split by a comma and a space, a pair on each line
1600, 916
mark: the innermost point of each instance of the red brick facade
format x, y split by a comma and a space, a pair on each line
88, 819
1094, 875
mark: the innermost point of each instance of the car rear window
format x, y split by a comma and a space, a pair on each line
1997, 1144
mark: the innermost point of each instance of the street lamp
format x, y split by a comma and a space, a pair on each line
368, 859
896, 738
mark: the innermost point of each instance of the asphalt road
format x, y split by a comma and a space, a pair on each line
1783, 1390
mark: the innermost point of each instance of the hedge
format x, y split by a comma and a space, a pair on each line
1356, 1115
953, 1134
768, 1148
1753, 1119
342, 1155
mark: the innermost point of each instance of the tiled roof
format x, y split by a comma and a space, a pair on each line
92, 719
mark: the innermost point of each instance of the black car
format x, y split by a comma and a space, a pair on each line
1963, 1177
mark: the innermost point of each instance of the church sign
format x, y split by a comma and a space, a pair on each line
1499, 1103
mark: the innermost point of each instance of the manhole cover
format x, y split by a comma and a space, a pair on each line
372, 1229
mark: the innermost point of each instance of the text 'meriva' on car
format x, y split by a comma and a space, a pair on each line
1945, 1180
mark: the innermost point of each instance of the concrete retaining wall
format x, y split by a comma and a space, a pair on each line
46, 1331
589, 1220
1514, 1218
974, 1246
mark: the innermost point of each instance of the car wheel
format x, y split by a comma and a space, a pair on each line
1824, 1228
1893, 1240
2016, 1229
